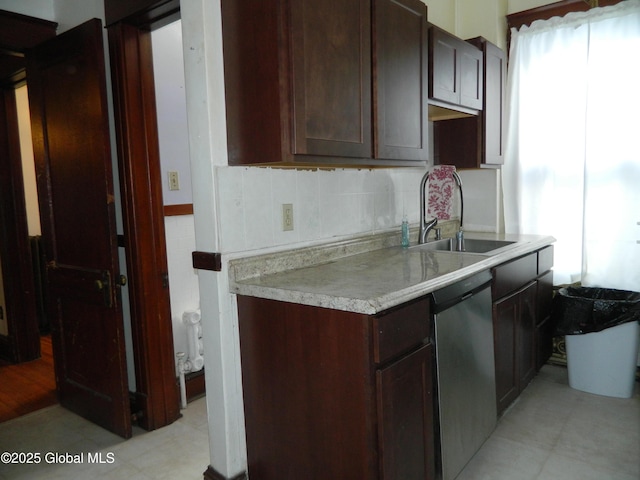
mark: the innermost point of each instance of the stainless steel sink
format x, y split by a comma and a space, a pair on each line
471, 245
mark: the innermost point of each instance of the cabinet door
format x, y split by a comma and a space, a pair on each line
443, 48
405, 417
495, 71
514, 330
505, 315
331, 74
470, 75
457, 70
400, 80
525, 335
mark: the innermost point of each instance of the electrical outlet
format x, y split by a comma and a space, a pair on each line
174, 181
287, 217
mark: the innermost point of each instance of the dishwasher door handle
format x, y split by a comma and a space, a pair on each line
466, 295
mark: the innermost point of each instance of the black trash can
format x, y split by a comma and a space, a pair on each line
602, 337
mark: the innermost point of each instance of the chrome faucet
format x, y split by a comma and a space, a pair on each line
426, 226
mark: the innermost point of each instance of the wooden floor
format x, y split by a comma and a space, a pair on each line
28, 386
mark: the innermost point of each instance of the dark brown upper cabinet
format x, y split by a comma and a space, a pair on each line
400, 80
300, 80
474, 141
491, 121
456, 72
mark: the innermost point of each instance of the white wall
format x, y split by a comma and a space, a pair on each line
173, 135
67, 13
171, 104
515, 6
71, 13
28, 164
183, 279
35, 8
473, 18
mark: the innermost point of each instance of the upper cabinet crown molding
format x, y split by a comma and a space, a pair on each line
322, 81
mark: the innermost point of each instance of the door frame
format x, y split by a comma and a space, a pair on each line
156, 400
143, 215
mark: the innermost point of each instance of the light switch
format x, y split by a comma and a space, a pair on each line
287, 217
174, 181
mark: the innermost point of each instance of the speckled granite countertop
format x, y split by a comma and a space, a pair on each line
366, 279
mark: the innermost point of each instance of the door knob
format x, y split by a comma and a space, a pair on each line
123, 280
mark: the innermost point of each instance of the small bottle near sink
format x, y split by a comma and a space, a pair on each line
459, 241
405, 232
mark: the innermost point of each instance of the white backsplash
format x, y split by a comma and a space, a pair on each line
327, 203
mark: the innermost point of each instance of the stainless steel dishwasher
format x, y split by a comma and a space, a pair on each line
465, 370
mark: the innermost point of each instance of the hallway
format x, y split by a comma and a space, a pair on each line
29, 386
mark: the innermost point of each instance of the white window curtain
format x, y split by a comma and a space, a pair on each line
573, 142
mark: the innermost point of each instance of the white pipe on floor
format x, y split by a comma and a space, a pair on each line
183, 387
194, 339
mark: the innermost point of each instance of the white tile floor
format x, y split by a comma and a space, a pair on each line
179, 451
551, 433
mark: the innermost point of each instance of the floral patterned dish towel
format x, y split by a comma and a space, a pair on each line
440, 188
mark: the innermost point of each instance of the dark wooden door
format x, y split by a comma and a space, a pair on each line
400, 80
67, 96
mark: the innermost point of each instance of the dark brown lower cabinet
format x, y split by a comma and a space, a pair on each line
330, 394
514, 319
405, 410
505, 312
522, 292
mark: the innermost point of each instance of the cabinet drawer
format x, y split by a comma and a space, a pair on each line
512, 275
545, 259
399, 330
